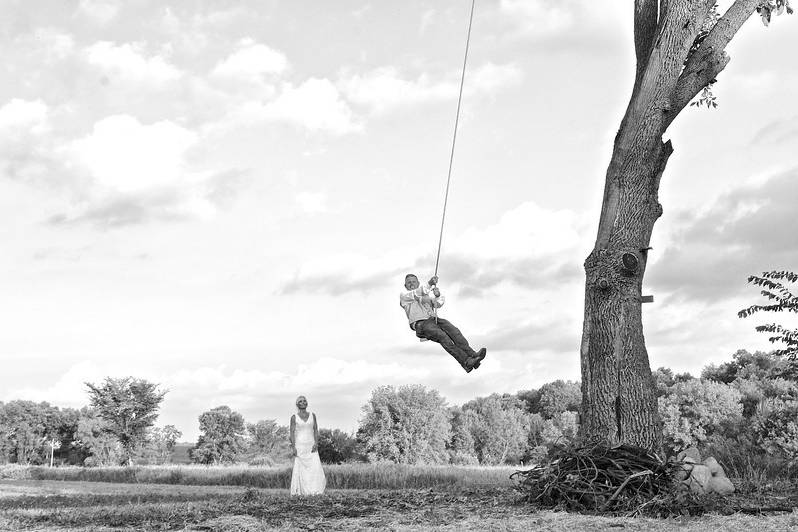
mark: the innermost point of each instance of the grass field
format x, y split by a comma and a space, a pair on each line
454, 499
344, 476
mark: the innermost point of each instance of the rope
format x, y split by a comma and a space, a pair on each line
454, 137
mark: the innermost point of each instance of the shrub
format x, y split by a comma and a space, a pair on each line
776, 427
697, 409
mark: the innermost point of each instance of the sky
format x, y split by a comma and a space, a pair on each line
223, 197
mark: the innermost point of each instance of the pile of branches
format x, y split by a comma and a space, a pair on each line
621, 480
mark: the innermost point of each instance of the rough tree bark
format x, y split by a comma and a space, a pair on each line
679, 52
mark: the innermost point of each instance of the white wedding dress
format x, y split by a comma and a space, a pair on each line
308, 476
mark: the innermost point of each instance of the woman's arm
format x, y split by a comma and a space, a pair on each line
315, 435
292, 436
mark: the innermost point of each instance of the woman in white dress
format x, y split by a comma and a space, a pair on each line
308, 476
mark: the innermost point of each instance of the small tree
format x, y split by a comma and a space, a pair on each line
268, 441
336, 446
222, 437
407, 425
775, 289
161, 443
558, 397
129, 408
94, 444
499, 427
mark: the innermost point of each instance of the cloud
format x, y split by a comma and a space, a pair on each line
519, 250
339, 283
385, 89
127, 156
251, 62
57, 44
201, 200
426, 19
135, 173
162, 206
577, 24
490, 78
541, 334
312, 202
315, 105
129, 63
21, 117
544, 18
25, 143
100, 11
747, 230
777, 132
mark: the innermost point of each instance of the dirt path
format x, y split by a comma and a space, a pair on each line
78, 506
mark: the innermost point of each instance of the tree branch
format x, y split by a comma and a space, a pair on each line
710, 58
653, 91
645, 21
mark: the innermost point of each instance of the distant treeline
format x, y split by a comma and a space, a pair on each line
745, 412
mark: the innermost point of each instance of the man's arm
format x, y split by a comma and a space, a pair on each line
438, 300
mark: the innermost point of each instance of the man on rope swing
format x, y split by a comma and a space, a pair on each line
420, 304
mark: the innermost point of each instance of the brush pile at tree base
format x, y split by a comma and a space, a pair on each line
624, 480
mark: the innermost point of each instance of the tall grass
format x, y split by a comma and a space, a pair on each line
343, 476
750, 465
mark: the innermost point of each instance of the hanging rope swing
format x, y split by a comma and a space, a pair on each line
454, 137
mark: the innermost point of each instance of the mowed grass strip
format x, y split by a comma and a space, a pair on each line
471, 509
272, 508
343, 476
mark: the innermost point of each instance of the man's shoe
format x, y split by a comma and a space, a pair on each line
475, 361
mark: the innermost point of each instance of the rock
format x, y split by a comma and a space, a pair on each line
715, 467
684, 472
699, 479
720, 485
689, 455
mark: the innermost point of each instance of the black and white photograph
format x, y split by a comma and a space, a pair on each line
445, 265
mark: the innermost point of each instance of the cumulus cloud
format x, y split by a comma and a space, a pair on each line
531, 336
137, 173
747, 230
582, 24
19, 117
129, 63
25, 127
519, 250
315, 105
100, 11
57, 44
312, 202
119, 211
125, 155
385, 88
251, 61
539, 18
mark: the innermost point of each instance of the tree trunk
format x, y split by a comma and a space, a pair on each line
619, 403
680, 50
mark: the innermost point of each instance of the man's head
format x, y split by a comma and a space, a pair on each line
411, 281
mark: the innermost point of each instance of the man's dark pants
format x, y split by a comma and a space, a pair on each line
443, 332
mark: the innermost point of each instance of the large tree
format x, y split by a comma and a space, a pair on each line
680, 49
129, 408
